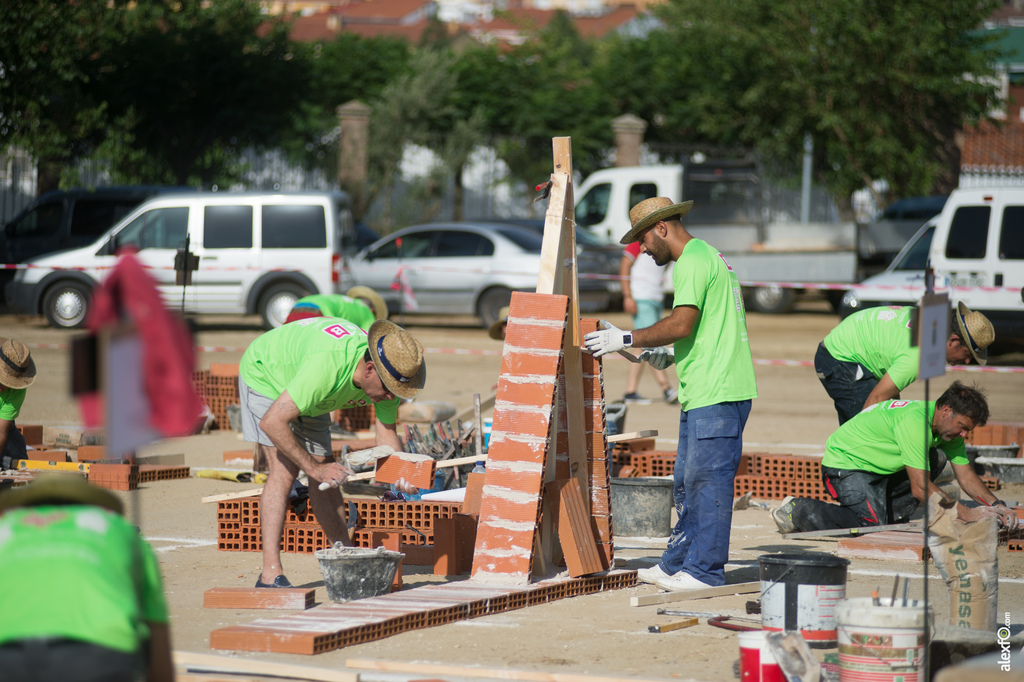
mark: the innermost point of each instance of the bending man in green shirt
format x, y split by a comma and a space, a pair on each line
875, 465
17, 372
868, 357
290, 379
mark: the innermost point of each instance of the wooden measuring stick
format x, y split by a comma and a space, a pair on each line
669, 627
649, 433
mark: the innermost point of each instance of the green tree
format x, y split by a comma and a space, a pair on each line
44, 107
191, 82
883, 87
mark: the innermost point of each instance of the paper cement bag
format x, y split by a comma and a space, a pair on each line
965, 554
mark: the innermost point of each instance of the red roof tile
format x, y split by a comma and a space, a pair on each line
989, 145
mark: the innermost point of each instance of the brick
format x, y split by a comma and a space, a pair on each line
258, 598
393, 542
393, 467
887, 545
33, 433
526, 307
230, 455
418, 555
223, 369
575, 534
515, 362
534, 335
474, 492
524, 394
44, 454
446, 548
91, 453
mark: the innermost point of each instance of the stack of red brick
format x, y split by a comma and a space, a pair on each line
238, 526
999, 433
766, 476
218, 388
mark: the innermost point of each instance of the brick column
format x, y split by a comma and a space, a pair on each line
629, 135
354, 119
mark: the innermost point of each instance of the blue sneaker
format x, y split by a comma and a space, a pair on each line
279, 581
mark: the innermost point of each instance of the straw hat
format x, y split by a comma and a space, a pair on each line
976, 331
372, 299
398, 357
60, 489
17, 369
495, 331
650, 211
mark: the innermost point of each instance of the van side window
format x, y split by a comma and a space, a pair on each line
227, 227
593, 207
294, 227
968, 232
161, 228
641, 191
1011, 239
92, 218
40, 221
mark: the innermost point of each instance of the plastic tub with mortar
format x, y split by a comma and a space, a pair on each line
357, 572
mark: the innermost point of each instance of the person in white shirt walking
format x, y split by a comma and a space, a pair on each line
643, 298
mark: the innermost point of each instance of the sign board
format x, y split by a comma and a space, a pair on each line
932, 334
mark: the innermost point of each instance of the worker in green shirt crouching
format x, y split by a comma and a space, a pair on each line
875, 465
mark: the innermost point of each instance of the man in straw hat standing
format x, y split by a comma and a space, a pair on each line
868, 358
17, 372
85, 600
290, 379
874, 465
708, 328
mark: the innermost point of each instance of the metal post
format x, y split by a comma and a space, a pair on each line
805, 189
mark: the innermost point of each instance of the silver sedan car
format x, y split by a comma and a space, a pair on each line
466, 268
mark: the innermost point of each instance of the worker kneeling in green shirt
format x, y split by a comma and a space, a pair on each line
875, 465
85, 599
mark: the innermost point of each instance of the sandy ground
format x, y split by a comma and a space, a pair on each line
596, 634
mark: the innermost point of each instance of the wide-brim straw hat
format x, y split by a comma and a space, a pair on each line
398, 357
372, 298
55, 489
976, 331
17, 368
650, 211
495, 331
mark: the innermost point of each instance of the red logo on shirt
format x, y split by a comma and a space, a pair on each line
728, 267
898, 403
337, 331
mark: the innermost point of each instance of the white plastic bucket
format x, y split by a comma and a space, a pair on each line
881, 643
757, 662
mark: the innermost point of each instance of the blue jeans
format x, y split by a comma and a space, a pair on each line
848, 383
708, 455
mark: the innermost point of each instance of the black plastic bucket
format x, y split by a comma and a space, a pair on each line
800, 592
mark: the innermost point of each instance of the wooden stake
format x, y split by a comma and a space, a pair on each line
668, 597
669, 627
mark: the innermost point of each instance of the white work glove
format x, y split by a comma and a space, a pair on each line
658, 358
609, 339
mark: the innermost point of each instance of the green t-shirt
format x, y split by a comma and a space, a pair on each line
314, 360
344, 307
879, 339
79, 572
713, 363
11, 400
888, 437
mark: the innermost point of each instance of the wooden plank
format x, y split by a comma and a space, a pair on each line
259, 598
438, 670
232, 496
669, 627
235, 665
619, 437
669, 597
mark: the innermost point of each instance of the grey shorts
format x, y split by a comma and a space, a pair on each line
313, 432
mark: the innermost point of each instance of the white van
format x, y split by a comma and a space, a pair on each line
977, 253
258, 253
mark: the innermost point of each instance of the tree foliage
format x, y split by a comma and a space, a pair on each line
882, 86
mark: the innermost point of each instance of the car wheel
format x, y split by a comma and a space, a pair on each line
490, 304
66, 304
772, 300
277, 302
835, 299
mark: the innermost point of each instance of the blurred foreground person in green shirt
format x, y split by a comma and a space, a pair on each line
85, 601
868, 357
874, 465
361, 305
290, 379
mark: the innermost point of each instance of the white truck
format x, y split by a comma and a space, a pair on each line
770, 257
975, 247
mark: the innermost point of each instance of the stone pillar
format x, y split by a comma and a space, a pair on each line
629, 135
354, 120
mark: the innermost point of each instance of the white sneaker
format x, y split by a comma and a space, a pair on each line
679, 582
783, 515
651, 575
